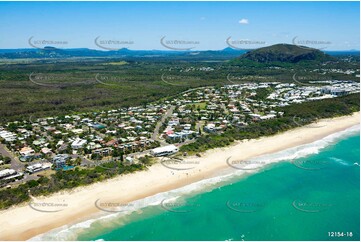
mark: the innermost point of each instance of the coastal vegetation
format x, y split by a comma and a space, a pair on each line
67, 180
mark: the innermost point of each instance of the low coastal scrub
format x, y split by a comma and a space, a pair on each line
66, 180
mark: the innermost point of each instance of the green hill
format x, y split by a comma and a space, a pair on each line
285, 53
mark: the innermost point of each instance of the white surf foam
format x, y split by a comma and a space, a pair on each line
340, 161
309, 149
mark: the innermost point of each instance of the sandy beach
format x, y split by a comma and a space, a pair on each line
24, 222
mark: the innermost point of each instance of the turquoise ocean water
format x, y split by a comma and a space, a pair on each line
312, 193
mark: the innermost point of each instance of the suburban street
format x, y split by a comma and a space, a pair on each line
16, 164
155, 135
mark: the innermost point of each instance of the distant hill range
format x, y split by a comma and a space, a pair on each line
286, 53
279, 52
51, 52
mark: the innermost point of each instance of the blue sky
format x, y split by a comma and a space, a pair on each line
205, 25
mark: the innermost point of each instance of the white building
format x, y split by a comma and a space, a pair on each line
9, 174
6, 173
164, 151
269, 116
8, 136
210, 128
129, 159
77, 131
27, 151
38, 167
78, 143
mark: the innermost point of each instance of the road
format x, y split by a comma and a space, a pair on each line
199, 126
84, 161
224, 108
16, 164
155, 135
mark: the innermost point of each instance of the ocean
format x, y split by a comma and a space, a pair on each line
311, 192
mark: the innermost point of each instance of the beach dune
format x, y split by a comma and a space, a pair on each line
45, 213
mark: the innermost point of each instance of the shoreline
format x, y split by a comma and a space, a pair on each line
22, 222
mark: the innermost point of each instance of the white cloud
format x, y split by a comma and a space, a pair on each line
243, 21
